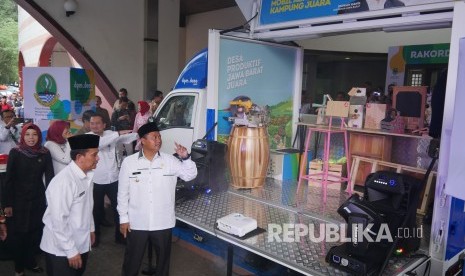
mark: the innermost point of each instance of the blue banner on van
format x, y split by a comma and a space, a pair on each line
194, 74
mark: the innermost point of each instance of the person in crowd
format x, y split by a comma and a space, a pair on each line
102, 111
368, 85
306, 107
146, 198
340, 96
86, 121
57, 144
155, 102
69, 226
437, 105
20, 110
24, 196
3, 229
4, 105
123, 92
141, 119
9, 131
16, 104
121, 118
389, 96
86, 128
106, 173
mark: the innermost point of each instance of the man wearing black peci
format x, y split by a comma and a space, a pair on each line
146, 199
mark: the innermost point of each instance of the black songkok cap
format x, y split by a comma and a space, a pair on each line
148, 127
84, 141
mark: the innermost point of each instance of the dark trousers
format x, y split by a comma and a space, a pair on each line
59, 266
24, 247
111, 190
135, 249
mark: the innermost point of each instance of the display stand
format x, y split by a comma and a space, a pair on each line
323, 176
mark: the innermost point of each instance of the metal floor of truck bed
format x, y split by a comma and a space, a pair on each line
279, 203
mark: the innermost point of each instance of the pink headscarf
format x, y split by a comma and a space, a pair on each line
55, 132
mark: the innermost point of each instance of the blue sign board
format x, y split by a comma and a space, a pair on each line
280, 11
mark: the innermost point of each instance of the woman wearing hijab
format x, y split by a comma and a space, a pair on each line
58, 146
141, 119
24, 197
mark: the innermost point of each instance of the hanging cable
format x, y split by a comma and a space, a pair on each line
238, 27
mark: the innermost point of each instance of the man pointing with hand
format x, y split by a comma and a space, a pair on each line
146, 199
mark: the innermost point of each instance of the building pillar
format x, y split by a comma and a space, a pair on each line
168, 44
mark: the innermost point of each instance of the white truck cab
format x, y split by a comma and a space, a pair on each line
181, 115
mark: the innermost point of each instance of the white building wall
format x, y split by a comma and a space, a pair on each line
112, 33
197, 26
31, 38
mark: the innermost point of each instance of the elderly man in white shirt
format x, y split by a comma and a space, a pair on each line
9, 131
69, 225
106, 173
146, 199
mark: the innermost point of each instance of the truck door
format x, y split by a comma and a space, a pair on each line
176, 119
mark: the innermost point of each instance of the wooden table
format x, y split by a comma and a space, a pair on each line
369, 143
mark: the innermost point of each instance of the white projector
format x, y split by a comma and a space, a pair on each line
236, 224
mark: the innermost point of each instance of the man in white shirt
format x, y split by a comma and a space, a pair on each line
106, 173
69, 225
9, 131
146, 199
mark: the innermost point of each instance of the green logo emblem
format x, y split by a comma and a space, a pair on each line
46, 90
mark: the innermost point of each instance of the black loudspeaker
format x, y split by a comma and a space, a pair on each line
210, 158
389, 202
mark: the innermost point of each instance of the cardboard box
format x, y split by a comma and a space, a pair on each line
356, 116
283, 164
374, 114
358, 92
335, 171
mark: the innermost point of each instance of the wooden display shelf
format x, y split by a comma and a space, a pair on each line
427, 192
372, 146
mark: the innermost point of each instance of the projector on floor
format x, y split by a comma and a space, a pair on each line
236, 224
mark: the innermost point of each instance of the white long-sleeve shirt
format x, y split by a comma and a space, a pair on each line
146, 190
6, 137
107, 167
68, 218
60, 155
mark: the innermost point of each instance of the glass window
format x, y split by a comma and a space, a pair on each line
177, 112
